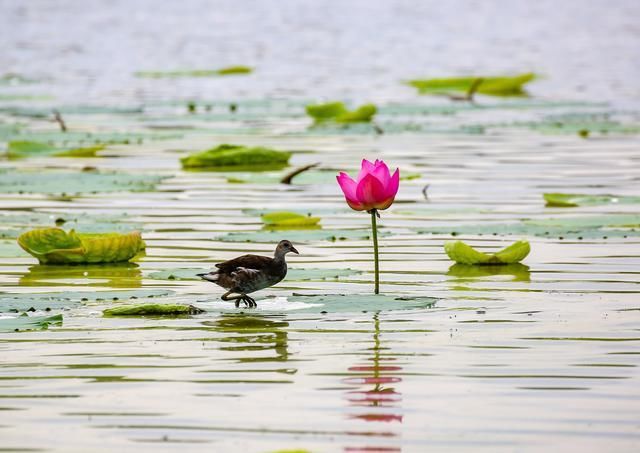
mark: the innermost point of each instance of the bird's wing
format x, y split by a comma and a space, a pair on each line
243, 275
245, 262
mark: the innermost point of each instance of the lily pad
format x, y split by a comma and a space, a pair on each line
114, 275
73, 183
56, 246
153, 310
18, 148
337, 112
288, 219
297, 236
237, 156
25, 322
495, 86
293, 274
570, 200
229, 70
51, 300
518, 271
462, 253
351, 303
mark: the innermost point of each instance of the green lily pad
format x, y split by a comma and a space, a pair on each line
494, 86
56, 246
570, 200
288, 219
17, 302
72, 183
351, 303
87, 151
337, 112
25, 322
236, 156
294, 236
17, 148
152, 310
229, 70
462, 253
604, 226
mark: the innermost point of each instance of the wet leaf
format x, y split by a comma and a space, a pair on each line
570, 200
153, 310
495, 86
56, 246
25, 322
462, 253
71, 183
237, 156
288, 219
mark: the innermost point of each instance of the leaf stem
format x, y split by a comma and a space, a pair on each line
374, 228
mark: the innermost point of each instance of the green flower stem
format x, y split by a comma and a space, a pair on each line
374, 227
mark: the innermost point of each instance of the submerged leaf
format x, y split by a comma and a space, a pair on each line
462, 253
153, 310
337, 112
288, 219
230, 156
495, 86
570, 200
56, 246
25, 322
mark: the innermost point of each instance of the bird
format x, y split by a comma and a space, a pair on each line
249, 273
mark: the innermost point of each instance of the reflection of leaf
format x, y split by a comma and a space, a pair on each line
229, 70
236, 156
569, 200
462, 253
495, 86
66, 182
519, 271
117, 275
56, 246
336, 111
25, 322
152, 310
288, 219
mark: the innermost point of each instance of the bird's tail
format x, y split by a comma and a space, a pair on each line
209, 276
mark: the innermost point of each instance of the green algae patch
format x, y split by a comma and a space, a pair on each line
493, 86
462, 253
571, 200
194, 73
338, 112
25, 322
289, 220
152, 310
236, 156
56, 246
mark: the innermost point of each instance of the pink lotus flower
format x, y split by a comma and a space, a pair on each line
374, 188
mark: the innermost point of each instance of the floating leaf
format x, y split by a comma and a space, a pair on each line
236, 156
25, 322
495, 86
230, 70
58, 300
462, 253
288, 219
56, 246
88, 151
337, 112
69, 183
570, 200
20, 148
153, 310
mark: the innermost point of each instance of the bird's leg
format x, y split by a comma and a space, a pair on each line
236, 299
252, 301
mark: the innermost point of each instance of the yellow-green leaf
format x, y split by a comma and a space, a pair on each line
462, 253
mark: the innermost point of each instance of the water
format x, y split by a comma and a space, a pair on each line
543, 355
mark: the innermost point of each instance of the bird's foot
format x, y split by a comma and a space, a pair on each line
249, 302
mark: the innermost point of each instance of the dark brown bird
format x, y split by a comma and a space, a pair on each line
249, 273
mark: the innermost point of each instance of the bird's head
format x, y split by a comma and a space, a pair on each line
285, 247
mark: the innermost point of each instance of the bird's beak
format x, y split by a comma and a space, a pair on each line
293, 249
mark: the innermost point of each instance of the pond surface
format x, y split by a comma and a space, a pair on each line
531, 356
